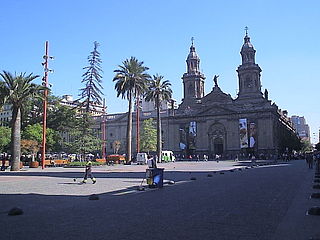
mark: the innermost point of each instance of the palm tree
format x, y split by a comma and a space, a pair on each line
159, 91
16, 90
131, 79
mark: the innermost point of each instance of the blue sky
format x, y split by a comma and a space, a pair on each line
286, 35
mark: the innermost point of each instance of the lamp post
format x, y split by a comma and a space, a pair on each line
138, 122
45, 96
104, 131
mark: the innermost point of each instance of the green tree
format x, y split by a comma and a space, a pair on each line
131, 78
5, 133
92, 78
32, 111
306, 146
159, 91
83, 144
148, 136
16, 90
34, 132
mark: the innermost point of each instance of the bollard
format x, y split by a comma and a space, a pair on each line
94, 197
15, 211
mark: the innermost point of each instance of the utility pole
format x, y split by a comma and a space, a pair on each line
45, 96
104, 130
138, 122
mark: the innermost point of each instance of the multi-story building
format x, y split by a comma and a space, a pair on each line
301, 127
216, 123
5, 115
95, 109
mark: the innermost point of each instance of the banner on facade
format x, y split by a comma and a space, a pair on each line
252, 134
193, 128
243, 133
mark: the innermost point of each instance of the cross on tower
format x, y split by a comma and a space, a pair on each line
246, 29
192, 39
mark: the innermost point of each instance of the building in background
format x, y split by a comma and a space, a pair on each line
5, 115
95, 109
215, 123
301, 127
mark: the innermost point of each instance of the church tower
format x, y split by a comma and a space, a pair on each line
193, 79
249, 72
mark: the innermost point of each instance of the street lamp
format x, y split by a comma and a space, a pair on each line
45, 64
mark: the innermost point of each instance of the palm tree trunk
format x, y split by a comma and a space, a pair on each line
129, 129
15, 139
159, 142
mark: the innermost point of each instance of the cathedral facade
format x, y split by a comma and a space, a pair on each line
217, 124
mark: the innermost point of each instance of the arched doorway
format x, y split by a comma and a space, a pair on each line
218, 146
217, 139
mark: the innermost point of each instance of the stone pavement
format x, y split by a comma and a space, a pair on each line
265, 202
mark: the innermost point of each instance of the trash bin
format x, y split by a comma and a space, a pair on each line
154, 177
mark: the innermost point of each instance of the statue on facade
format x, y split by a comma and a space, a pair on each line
266, 94
215, 79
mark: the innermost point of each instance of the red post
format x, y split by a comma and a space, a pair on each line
104, 131
45, 95
138, 124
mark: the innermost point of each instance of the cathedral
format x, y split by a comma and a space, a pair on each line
215, 123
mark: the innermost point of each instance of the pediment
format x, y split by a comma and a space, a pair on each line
216, 109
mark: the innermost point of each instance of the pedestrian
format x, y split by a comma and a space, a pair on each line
88, 173
309, 159
3, 166
152, 163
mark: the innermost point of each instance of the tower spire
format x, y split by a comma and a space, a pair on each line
246, 29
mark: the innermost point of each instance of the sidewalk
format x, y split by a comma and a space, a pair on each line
297, 225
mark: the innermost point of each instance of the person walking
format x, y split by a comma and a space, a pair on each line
88, 173
309, 159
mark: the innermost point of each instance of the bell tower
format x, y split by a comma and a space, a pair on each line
193, 79
249, 72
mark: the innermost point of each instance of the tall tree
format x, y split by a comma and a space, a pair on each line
16, 90
159, 91
92, 78
131, 78
148, 136
91, 94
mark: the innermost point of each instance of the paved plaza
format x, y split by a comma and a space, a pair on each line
227, 200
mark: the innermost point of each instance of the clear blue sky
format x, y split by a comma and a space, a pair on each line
286, 35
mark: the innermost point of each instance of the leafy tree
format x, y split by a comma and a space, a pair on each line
92, 79
306, 146
159, 91
16, 90
83, 144
30, 146
131, 78
62, 118
32, 111
5, 133
34, 132
148, 136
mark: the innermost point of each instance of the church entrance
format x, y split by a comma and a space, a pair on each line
218, 146
217, 139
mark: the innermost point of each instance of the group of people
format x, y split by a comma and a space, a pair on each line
313, 158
